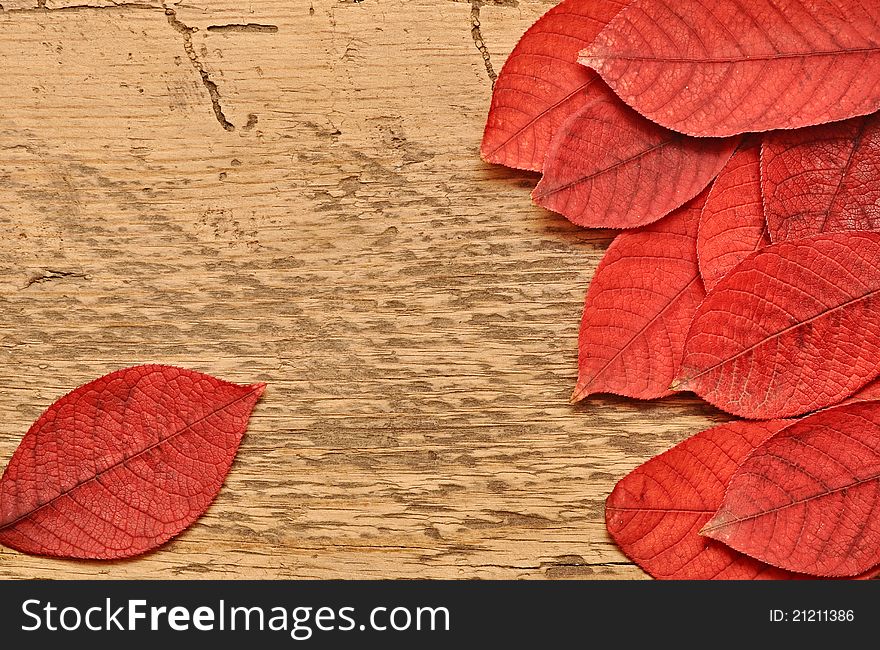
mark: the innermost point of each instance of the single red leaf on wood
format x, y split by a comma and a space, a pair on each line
638, 308
655, 513
123, 464
608, 167
541, 83
720, 67
793, 328
806, 499
732, 224
822, 179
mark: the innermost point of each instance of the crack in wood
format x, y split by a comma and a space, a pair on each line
213, 91
184, 30
246, 27
478, 40
42, 7
49, 275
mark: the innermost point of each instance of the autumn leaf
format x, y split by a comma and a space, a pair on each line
737, 140
638, 308
722, 67
608, 167
732, 224
869, 391
122, 464
541, 83
655, 512
805, 500
792, 329
823, 179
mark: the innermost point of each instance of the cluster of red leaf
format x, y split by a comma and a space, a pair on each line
738, 142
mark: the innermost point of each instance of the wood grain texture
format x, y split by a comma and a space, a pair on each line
415, 315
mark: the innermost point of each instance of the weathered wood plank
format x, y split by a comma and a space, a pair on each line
415, 316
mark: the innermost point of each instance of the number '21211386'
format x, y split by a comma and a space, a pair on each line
812, 616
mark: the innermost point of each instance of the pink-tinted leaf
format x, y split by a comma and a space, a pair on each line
793, 328
823, 179
806, 499
732, 225
608, 167
655, 513
638, 308
541, 83
721, 67
123, 464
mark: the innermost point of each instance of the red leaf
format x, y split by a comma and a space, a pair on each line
732, 225
608, 167
870, 391
638, 308
721, 67
823, 179
792, 329
541, 83
123, 464
655, 512
806, 499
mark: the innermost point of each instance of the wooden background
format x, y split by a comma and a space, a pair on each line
290, 191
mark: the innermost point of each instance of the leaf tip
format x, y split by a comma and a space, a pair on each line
487, 151
580, 392
538, 192
258, 389
590, 59
714, 528
679, 384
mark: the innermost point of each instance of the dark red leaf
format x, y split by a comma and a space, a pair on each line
123, 464
732, 225
823, 179
608, 167
721, 67
655, 513
638, 308
806, 499
792, 329
541, 83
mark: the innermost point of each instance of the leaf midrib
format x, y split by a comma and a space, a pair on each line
542, 115
585, 57
584, 391
858, 139
821, 495
254, 388
695, 511
683, 384
606, 170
